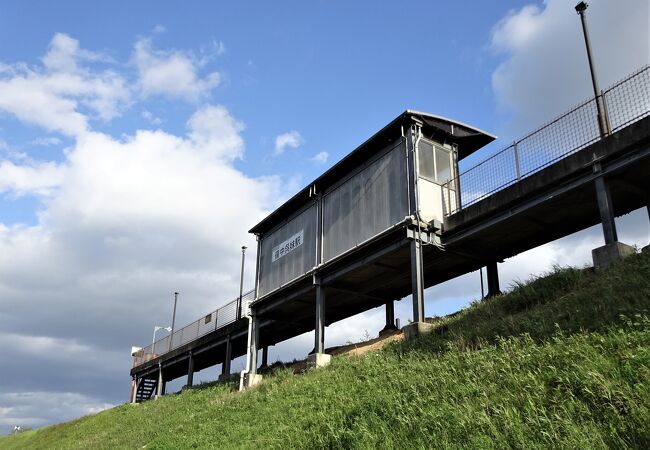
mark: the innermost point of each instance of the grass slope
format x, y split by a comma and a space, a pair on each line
561, 361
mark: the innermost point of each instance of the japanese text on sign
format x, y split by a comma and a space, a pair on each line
287, 246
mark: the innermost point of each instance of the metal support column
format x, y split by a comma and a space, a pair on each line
390, 316
417, 280
255, 342
319, 334
241, 283
225, 366
493, 279
134, 389
160, 387
265, 356
190, 370
605, 208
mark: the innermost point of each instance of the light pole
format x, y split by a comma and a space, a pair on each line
603, 122
241, 281
171, 336
603, 197
155, 330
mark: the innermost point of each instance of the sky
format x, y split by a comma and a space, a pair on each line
139, 141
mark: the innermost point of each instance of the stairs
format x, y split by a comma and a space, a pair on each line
146, 390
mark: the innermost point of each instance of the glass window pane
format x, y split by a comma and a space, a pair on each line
443, 165
425, 159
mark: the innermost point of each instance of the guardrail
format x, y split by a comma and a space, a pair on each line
218, 318
625, 102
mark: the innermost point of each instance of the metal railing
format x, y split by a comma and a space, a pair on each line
218, 318
625, 102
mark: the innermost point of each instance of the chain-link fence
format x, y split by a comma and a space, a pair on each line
625, 102
218, 318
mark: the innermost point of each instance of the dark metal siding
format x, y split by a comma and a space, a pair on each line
293, 264
367, 203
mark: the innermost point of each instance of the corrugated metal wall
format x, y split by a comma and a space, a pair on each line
288, 252
366, 204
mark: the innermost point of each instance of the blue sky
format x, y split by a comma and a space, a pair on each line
140, 140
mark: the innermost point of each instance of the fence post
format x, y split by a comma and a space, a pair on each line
517, 167
608, 127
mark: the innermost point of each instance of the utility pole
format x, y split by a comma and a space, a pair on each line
241, 281
171, 336
603, 122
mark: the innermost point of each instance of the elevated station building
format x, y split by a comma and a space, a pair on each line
396, 215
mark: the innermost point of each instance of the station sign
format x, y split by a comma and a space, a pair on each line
286, 247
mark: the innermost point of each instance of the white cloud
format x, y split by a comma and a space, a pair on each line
545, 69
219, 47
320, 158
149, 117
159, 29
53, 97
46, 141
38, 178
215, 131
131, 221
171, 73
36, 408
64, 53
122, 223
291, 139
517, 29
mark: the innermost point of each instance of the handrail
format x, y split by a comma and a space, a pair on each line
219, 318
626, 102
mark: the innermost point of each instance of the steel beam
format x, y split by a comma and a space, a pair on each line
363, 261
493, 279
605, 207
190, 370
319, 334
527, 204
225, 366
135, 387
160, 387
386, 266
417, 280
358, 294
269, 305
265, 356
390, 316
255, 343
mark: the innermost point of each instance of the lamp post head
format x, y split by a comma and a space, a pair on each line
243, 248
581, 7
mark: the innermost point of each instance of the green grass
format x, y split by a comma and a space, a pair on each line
562, 361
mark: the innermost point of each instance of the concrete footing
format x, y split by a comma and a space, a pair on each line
228, 376
251, 380
316, 360
610, 253
415, 329
388, 329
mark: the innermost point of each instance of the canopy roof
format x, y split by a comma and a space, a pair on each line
467, 139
